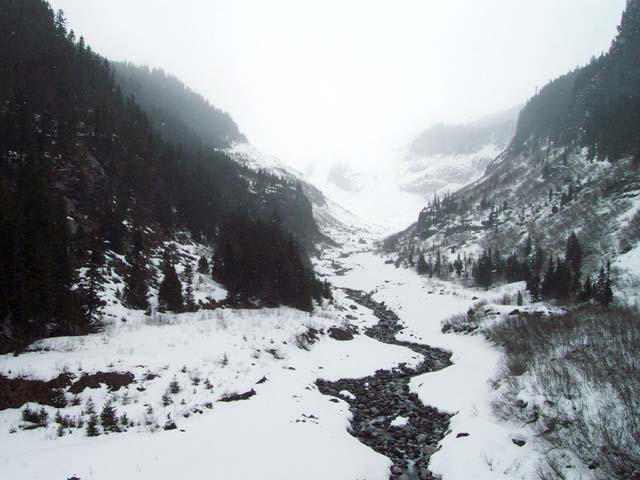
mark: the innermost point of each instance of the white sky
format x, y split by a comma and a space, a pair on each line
345, 80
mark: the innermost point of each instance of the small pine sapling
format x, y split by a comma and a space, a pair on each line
109, 418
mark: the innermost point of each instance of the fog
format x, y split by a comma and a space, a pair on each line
350, 81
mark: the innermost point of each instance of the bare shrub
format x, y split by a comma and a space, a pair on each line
464, 322
585, 365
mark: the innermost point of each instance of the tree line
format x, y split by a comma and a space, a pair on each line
547, 277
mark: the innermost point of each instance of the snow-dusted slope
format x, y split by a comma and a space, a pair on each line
334, 221
391, 187
448, 157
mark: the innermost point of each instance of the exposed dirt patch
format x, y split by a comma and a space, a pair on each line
113, 380
15, 392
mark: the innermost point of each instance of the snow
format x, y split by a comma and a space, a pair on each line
399, 422
287, 429
462, 389
279, 433
347, 394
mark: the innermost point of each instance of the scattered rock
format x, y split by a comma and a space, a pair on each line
514, 312
262, 380
385, 396
340, 334
519, 442
238, 396
462, 434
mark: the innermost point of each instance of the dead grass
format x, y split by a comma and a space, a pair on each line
464, 322
586, 365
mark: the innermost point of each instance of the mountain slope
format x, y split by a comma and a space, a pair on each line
176, 112
91, 193
447, 157
572, 165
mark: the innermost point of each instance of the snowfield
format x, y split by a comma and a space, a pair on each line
287, 430
464, 389
277, 424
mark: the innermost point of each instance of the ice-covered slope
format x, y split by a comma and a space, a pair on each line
390, 187
448, 157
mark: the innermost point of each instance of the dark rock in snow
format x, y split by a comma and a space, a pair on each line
462, 434
340, 334
518, 441
238, 396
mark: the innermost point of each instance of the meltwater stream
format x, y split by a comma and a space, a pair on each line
380, 398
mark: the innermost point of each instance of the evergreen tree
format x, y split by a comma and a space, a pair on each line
457, 265
109, 418
603, 292
483, 271
188, 293
573, 257
586, 292
170, 289
421, 266
528, 248
549, 284
136, 290
203, 265
92, 426
93, 277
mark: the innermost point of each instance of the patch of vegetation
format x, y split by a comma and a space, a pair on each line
584, 365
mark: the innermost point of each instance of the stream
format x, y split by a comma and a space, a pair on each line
377, 400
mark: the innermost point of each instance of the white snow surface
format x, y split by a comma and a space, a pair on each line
287, 430
399, 422
279, 433
462, 389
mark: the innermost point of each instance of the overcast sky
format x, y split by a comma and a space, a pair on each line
343, 80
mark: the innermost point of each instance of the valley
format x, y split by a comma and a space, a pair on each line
298, 419
176, 302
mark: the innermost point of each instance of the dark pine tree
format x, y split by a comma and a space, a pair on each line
421, 265
203, 265
573, 257
189, 301
92, 281
136, 290
170, 289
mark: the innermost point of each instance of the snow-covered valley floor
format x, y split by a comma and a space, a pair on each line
288, 429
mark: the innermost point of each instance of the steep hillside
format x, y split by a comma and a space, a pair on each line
177, 113
448, 157
181, 116
572, 166
334, 223
91, 193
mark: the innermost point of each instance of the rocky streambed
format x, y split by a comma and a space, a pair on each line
386, 415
